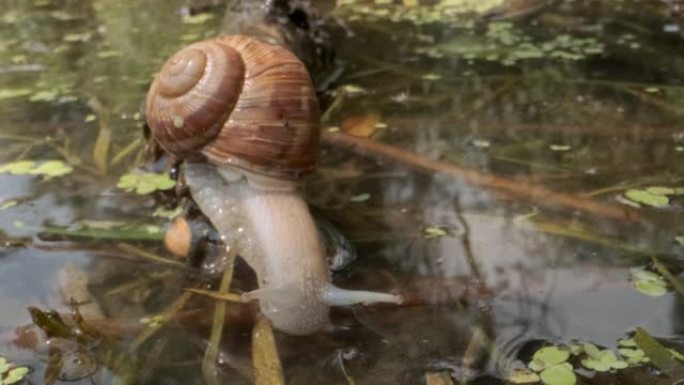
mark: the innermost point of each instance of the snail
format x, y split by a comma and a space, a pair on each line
249, 109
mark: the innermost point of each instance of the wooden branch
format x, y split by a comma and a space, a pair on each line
538, 195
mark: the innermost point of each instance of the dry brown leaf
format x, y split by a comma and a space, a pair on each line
363, 125
438, 378
178, 237
267, 367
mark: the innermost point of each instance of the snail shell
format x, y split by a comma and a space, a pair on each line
237, 101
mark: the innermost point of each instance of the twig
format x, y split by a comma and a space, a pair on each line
350, 379
537, 194
104, 136
130, 148
586, 235
209, 369
162, 319
147, 255
470, 355
221, 296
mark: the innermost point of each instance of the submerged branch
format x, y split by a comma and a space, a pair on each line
537, 194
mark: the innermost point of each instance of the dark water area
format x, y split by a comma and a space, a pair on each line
534, 170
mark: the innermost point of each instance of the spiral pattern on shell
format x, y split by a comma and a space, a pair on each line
237, 101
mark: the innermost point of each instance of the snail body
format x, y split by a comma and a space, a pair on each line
258, 129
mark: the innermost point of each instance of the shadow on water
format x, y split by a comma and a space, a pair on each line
574, 106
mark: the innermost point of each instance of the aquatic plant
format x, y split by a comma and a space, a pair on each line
10, 373
507, 44
48, 168
145, 182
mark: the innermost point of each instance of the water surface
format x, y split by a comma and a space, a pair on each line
582, 98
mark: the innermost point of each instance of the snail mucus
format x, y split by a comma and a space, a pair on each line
249, 109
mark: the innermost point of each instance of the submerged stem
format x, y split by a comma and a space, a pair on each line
209, 370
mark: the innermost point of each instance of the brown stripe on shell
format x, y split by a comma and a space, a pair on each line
274, 128
186, 108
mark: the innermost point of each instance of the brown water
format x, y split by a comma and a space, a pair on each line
492, 271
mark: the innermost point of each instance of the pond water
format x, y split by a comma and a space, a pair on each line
511, 170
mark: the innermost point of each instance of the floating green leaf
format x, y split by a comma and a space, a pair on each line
547, 357
633, 356
627, 342
523, 376
49, 168
44, 96
576, 349
15, 375
10, 374
198, 19
602, 360
21, 167
591, 350
434, 232
145, 182
7, 204
648, 283
659, 190
650, 288
560, 374
52, 168
647, 198
631, 353
14, 93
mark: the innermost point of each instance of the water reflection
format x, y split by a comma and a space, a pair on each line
475, 263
